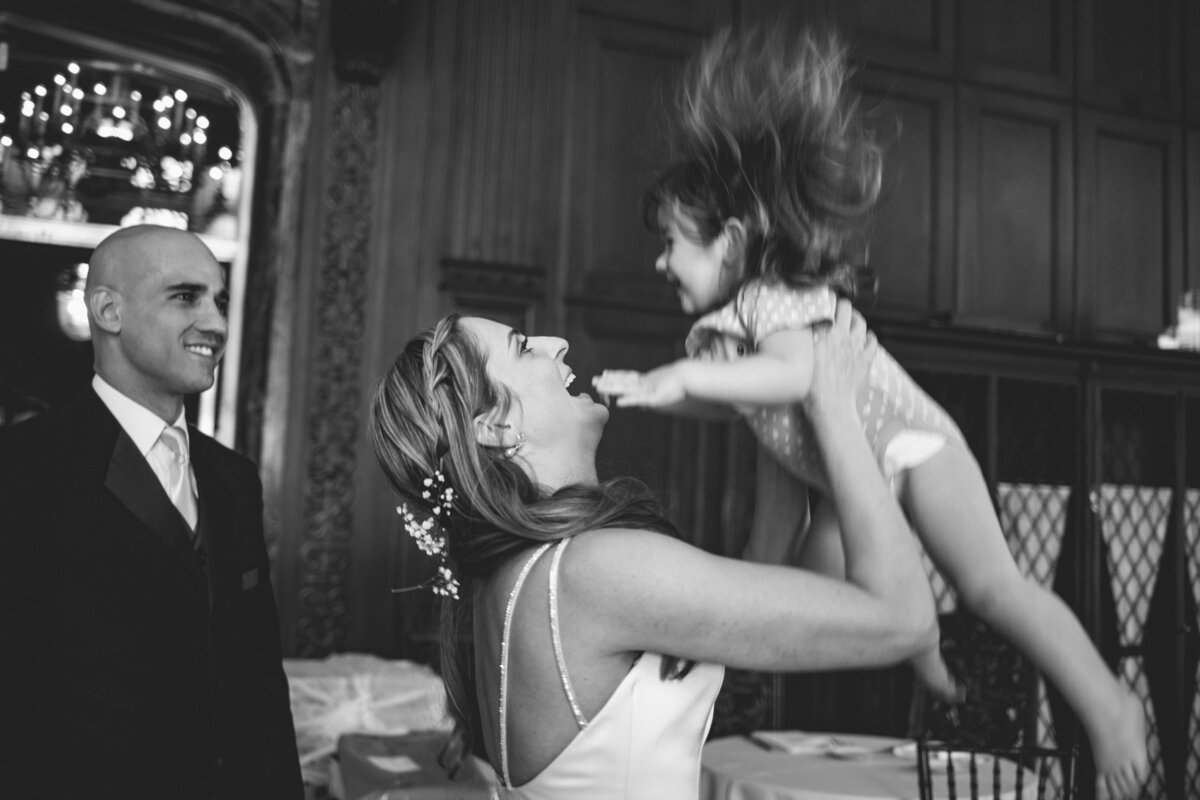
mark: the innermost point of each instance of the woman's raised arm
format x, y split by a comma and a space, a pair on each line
649, 592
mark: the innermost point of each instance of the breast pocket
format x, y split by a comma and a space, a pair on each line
250, 579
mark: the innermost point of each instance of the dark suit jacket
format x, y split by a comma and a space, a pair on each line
133, 663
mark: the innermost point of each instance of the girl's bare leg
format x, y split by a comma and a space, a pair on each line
778, 535
948, 503
780, 514
821, 551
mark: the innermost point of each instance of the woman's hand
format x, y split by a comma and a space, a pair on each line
842, 356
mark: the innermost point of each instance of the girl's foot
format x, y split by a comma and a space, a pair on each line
1119, 747
932, 671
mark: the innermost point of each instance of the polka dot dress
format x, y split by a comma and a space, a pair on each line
889, 403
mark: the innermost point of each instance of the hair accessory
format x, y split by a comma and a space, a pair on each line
430, 533
512, 450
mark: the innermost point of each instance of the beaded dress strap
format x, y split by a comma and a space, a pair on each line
580, 720
508, 613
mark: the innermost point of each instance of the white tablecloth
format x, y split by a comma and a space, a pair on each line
735, 768
358, 693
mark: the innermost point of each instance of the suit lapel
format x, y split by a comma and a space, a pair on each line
132, 481
216, 510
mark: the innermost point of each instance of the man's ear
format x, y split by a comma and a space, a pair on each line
104, 309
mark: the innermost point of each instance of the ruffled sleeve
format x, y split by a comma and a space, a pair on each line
761, 309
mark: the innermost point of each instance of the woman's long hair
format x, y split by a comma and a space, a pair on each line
422, 422
765, 130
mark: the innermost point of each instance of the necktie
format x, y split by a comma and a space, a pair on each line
179, 473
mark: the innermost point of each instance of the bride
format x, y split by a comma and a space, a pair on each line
583, 643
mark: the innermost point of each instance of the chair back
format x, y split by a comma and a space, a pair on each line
1000, 687
947, 771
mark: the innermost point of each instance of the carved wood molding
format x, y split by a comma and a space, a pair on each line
608, 319
463, 276
364, 33
507, 293
335, 401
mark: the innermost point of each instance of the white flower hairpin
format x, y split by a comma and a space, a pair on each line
430, 533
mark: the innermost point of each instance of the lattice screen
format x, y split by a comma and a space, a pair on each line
1192, 533
1133, 524
1040, 444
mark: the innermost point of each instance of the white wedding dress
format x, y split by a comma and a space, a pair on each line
645, 741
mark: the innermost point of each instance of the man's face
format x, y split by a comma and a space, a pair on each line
173, 324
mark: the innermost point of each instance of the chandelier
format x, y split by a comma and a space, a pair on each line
89, 138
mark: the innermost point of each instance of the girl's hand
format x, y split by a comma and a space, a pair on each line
616, 383
933, 672
660, 387
842, 355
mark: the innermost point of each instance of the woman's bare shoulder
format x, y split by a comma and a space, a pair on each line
618, 544
619, 567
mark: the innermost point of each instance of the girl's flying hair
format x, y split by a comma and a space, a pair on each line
767, 131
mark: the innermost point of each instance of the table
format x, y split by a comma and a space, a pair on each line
736, 768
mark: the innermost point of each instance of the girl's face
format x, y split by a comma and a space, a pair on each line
695, 269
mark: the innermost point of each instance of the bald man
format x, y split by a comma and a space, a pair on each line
142, 654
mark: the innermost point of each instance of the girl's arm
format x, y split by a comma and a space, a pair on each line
644, 591
780, 372
624, 385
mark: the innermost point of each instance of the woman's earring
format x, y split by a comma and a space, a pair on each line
512, 450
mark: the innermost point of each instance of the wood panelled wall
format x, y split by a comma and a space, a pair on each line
1053, 135
523, 127
1041, 176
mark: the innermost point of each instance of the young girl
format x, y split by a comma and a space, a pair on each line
763, 217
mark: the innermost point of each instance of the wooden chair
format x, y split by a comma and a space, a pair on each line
948, 771
1001, 689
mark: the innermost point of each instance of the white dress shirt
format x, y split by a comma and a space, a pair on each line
143, 426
